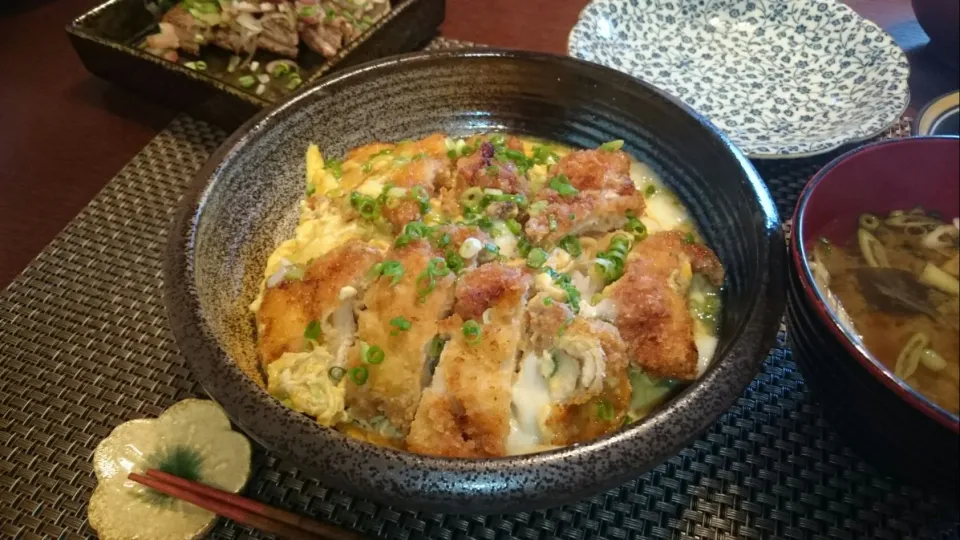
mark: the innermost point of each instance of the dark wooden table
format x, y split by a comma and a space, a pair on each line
64, 133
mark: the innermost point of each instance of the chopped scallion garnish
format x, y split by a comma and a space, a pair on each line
637, 227
335, 166
471, 197
536, 258
313, 330
373, 355
400, 324
561, 184
392, 269
336, 373
605, 410
359, 375
612, 146
571, 244
368, 207
436, 347
472, 331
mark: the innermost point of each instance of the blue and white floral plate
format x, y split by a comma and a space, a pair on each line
783, 78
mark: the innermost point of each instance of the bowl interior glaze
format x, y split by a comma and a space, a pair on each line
879, 178
244, 202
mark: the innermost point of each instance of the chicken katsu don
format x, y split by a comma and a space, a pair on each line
485, 296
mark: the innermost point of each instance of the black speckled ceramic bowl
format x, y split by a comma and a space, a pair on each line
245, 199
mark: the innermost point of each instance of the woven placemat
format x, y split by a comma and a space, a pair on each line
84, 346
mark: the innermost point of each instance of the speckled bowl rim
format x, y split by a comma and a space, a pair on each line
487, 482
814, 296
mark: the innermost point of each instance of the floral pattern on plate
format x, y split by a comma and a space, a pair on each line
782, 78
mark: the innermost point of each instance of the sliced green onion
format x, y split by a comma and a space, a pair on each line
335, 166
651, 190
492, 170
612, 146
359, 375
471, 197
454, 261
571, 244
550, 368
392, 269
637, 227
605, 410
514, 226
472, 331
400, 324
414, 230
373, 355
536, 258
313, 330
561, 184
689, 238
566, 284
524, 246
610, 263
247, 81
368, 207
543, 155
552, 222
498, 140
420, 195
336, 373
311, 189
436, 347
548, 301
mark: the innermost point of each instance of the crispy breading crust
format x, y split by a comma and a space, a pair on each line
289, 307
654, 318
597, 170
466, 410
394, 386
584, 213
606, 195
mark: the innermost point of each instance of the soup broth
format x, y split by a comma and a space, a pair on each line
894, 284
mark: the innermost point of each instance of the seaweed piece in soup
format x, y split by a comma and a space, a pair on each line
893, 289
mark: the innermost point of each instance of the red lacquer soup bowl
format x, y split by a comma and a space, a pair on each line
882, 418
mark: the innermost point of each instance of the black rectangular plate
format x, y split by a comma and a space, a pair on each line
106, 38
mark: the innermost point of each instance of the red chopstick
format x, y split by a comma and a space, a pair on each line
242, 510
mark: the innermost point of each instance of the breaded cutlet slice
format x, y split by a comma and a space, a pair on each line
466, 410
290, 306
605, 196
393, 387
589, 386
651, 302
